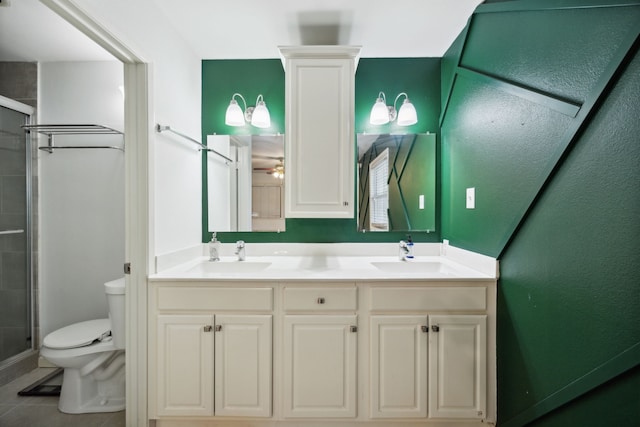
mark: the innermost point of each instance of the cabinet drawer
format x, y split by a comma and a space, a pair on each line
204, 298
429, 298
321, 299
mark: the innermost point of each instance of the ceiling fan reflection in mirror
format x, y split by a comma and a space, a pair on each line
277, 171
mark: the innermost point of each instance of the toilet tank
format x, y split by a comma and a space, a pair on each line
115, 299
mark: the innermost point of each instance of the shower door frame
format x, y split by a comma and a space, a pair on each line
29, 112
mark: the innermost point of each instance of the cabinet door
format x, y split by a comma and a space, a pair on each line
185, 365
320, 366
398, 367
319, 148
457, 366
243, 366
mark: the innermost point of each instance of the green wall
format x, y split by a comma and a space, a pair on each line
541, 117
418, 77
222, 78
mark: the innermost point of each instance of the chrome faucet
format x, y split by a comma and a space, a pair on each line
240, 250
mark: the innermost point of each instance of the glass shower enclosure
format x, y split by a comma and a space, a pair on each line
16, 270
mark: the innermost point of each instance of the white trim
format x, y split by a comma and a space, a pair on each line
12, 104
73, 14
138, 217
139, 223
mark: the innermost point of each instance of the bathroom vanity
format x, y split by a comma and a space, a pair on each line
324, 338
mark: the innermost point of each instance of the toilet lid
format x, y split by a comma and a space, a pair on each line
79, 334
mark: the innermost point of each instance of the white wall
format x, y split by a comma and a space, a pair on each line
222, 188
176, 184
81, 210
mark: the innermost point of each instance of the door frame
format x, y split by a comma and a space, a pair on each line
138, 130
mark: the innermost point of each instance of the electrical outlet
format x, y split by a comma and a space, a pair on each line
421, 201
471, 198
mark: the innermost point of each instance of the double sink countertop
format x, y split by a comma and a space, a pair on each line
328, 262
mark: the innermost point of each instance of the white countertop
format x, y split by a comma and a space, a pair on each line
334, 262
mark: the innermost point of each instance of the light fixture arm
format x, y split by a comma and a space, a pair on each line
241, 97
248, 111
406, 97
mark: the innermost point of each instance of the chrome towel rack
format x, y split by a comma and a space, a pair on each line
160, 128
72, 129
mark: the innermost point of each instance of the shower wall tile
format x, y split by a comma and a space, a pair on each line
12, 195
13, 341
13, 242
19, 81
12, 161
14, 270
13, 308
12, 222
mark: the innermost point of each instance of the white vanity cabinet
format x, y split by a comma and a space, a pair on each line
319, 136
457, 366
184, 374
425, 364
398, 366
320, 375
311, 352
205, 361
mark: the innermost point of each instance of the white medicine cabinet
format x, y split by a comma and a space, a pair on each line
319, 136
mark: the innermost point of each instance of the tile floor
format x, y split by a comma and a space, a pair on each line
41, 411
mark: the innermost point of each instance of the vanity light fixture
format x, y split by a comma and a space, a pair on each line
258, 116
381, 113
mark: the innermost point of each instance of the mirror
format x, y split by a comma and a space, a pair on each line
396, 182
247, 195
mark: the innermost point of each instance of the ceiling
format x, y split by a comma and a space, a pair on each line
243, 29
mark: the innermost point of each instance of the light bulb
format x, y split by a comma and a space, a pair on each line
407, 115
260, 117
234, 115
379, 113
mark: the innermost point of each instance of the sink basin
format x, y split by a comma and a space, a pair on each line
229, 267
412, 267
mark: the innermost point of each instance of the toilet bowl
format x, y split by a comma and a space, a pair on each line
92, 355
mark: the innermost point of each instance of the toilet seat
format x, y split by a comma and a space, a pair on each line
79, 334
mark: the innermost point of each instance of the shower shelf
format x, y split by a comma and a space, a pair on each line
63, 129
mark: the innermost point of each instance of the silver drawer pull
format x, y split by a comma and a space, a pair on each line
320, 300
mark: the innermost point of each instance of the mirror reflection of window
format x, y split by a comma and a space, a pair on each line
379, 192
410, 183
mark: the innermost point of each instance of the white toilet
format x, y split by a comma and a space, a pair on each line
92, 355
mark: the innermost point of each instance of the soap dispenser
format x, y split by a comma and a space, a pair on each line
214, 248
409, 254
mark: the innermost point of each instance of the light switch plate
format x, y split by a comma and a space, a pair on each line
471, 198
421, 201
